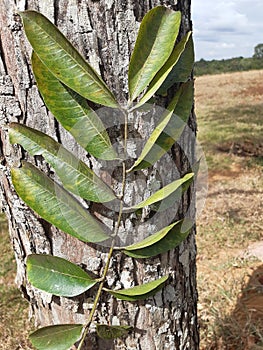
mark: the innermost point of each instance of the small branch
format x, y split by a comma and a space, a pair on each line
116, 229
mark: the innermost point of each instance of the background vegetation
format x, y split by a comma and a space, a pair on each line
236, 64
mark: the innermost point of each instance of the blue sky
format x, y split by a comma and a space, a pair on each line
226, 29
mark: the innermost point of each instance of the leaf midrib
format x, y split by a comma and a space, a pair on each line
149, 145
79, 106
58, 332
130, 290
60, 201
86, 116
63, 273
146, 61
179, 183
43, 151
100, 84
169, 228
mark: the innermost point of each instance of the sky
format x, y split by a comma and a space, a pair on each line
226, 29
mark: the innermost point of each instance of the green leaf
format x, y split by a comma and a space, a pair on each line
163, 73
75, 175
182, 70
160, 242
73, 112
141, 292
58, 337
169, 128
54, 204
168, 194
155, 42
57, 276
63, 60
111, 332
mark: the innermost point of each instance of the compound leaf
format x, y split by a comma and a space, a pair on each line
73, 112
168, 129
154, 45
58, 337
63, 60
57, 276
140, 292
111, 332
75, 175
55, 205
161, 241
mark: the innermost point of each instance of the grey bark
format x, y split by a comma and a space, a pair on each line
104, 32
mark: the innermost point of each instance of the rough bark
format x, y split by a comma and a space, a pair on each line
104, 31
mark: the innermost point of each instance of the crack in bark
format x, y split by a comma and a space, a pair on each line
56, 11
2, 157
2, 52
57, 131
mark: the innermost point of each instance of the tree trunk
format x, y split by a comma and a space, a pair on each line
104, 32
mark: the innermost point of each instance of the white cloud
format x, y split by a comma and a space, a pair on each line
227, 28
227, 46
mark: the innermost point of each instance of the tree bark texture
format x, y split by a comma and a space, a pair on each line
104, 31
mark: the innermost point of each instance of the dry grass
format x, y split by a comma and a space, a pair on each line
14, 324
229, 109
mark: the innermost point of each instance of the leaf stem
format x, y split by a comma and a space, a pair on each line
116, 229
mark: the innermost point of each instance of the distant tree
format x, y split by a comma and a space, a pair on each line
258, 51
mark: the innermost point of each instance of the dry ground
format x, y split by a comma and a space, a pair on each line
230, 278
14, 324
